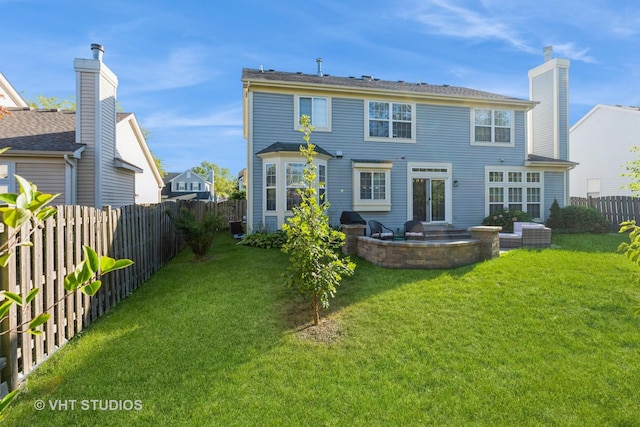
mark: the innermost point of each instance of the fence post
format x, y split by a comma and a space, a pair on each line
9, 325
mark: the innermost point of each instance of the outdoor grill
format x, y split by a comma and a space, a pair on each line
349, 217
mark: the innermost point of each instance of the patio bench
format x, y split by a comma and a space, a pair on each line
526, 235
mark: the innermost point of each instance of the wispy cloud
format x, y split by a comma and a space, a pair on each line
520, 28
225, 117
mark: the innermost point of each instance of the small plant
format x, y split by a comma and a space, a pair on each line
505, 219
198, 235
265, 240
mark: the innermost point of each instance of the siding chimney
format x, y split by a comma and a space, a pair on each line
548, 50
319, 61
97, 50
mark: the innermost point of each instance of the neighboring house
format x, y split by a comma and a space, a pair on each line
242, 179
397, 151
92, 156
601, 142
187, 185
9, 97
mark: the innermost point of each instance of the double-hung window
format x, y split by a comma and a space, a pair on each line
515, 190
387, 121
5, 178
372, 186
271, 186
318, 108
492, 126
322, 182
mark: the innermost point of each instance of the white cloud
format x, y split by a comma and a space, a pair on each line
225, 117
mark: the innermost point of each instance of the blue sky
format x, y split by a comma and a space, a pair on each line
179, 63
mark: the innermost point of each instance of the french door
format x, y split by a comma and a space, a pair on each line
429, 193
428, 200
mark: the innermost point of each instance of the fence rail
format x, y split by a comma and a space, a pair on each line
144, 234
616, 209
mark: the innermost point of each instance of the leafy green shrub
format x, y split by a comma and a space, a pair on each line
555, 221
264, 239
582, 219
505, 219
197, 234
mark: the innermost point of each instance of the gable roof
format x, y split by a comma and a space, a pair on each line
598, 107
370, 84
37, 131
11, 96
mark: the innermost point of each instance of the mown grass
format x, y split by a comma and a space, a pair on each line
532, 338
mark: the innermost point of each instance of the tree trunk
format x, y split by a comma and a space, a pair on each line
316, 314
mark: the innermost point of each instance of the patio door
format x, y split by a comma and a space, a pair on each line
429, 199
429, 193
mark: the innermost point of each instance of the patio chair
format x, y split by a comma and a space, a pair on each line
413, 230
378, 230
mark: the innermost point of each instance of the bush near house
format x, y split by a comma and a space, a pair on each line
265, 240
505, 219
582, 219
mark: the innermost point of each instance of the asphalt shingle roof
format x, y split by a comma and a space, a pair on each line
39, 130
371, 83
42, 130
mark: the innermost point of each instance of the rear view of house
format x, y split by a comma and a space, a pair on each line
396, 151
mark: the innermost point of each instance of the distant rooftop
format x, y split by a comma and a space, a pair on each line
371, 83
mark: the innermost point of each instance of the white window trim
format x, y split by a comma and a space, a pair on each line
296, 112
431, 171
9, 181
390, 138
492, 143
280, 159
366, 205
505, 184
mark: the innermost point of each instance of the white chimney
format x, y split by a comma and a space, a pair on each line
548, 50
97, 50
319, 61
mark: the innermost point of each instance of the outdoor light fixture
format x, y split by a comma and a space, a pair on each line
455, 183
339, 154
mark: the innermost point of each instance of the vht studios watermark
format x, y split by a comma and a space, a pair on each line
88, 405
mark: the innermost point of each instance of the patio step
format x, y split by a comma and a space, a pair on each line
445, 233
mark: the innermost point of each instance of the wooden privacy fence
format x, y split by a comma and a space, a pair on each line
143, 234
616, 209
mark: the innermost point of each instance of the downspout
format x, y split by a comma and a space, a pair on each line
70, 196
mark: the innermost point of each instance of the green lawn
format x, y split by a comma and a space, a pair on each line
532, 338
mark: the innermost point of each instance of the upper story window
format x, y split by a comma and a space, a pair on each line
182, 186
318, 108
389, 121
492, 126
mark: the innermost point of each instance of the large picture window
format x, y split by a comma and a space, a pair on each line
515, 190
492, 126
294, 180
317, 108
389, 121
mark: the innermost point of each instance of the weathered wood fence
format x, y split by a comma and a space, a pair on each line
144, 234
616, 209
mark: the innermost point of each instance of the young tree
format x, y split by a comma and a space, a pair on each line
316, 268
224, 183
632, 249
51, 103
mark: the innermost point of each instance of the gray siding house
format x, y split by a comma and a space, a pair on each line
92, 156
396, 151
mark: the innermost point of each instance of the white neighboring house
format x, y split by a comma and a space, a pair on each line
93, 156
601, 142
